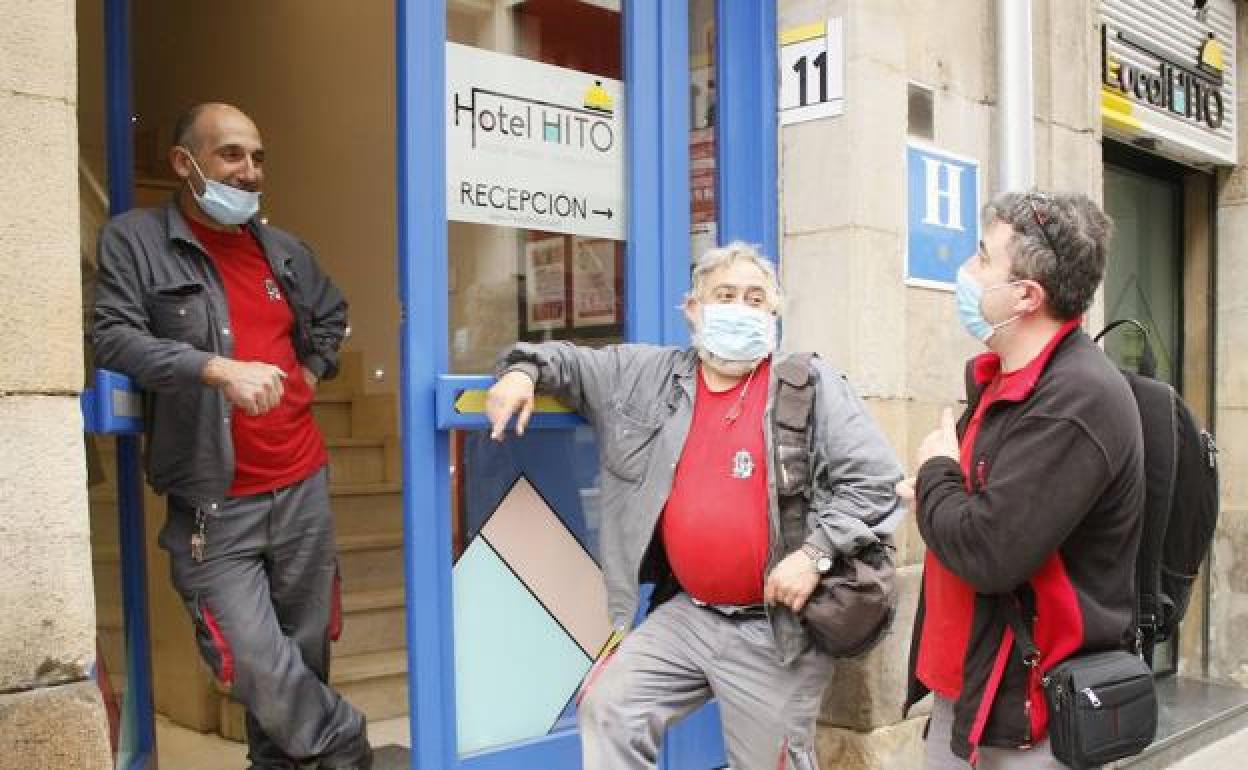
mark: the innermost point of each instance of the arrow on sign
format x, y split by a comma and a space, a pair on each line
603, 213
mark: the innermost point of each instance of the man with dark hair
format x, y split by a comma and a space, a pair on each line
227, 324
1033, 498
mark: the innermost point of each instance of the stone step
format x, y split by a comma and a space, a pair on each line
332, 413
1193, 714
375, 414
373, 622
371, 561
358, 509
361, 508
375, 682
350, 377
357, 460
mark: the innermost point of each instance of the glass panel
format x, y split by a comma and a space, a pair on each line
703, 102
1142, 280
527, 586
529, 599
509, 283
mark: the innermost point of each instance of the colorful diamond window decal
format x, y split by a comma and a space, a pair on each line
530, 619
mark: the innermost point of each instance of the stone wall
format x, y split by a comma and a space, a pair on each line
1229, 586
51, 715
843, 209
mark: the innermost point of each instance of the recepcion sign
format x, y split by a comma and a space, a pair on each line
532, 145
942, 215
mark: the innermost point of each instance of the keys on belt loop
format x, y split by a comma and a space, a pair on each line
199, 538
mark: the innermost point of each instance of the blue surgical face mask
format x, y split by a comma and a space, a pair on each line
970, 296
736, 332
225, 204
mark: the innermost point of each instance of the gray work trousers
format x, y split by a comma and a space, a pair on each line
940, 757
262, 602
680, 657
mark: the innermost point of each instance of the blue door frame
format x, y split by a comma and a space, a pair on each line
137, 742
656, 57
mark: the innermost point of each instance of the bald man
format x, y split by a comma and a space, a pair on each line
227, 325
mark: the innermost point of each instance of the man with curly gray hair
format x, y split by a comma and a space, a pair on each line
1033, 497
690, 501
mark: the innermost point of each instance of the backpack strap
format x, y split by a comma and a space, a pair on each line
791, 413
1148, 360
1155, 401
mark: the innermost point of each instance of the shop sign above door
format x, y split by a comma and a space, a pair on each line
1168, 77
532, 145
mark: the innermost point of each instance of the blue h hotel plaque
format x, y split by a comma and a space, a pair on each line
942, 215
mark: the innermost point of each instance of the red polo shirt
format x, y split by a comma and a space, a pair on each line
282, 446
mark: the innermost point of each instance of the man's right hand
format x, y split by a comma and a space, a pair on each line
252, 386
512, 393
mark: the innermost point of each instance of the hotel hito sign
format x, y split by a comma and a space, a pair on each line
533, 146
1168, 77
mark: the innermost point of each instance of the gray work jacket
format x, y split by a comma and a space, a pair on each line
161, 313
639, 401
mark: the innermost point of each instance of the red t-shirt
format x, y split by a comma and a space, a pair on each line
715, 525
949, 601
284, 445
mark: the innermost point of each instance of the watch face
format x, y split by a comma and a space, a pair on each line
823, 564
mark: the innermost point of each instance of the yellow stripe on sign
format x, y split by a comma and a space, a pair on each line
473, 402
804, 32
1117, 112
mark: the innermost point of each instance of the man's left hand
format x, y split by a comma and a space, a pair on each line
942, 442
309, 377
792, 581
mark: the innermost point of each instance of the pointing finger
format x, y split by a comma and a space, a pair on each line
526, 411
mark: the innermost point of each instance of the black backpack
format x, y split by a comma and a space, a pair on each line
1181, 499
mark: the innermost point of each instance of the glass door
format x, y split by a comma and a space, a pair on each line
1144, 278
1144, 281
535, 248
544, 196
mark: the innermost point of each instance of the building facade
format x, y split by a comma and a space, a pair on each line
477, 171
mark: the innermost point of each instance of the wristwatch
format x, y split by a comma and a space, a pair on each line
818, 559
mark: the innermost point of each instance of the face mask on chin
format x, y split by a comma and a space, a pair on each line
226, 205
970, 295
732, 338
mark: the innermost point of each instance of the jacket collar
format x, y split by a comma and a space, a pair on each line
686, 371
180, 230
177, 226
1018, 386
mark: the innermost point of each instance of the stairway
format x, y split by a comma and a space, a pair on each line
369, 660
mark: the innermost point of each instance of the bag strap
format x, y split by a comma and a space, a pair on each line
795, 399
1007, 604
1148, 360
